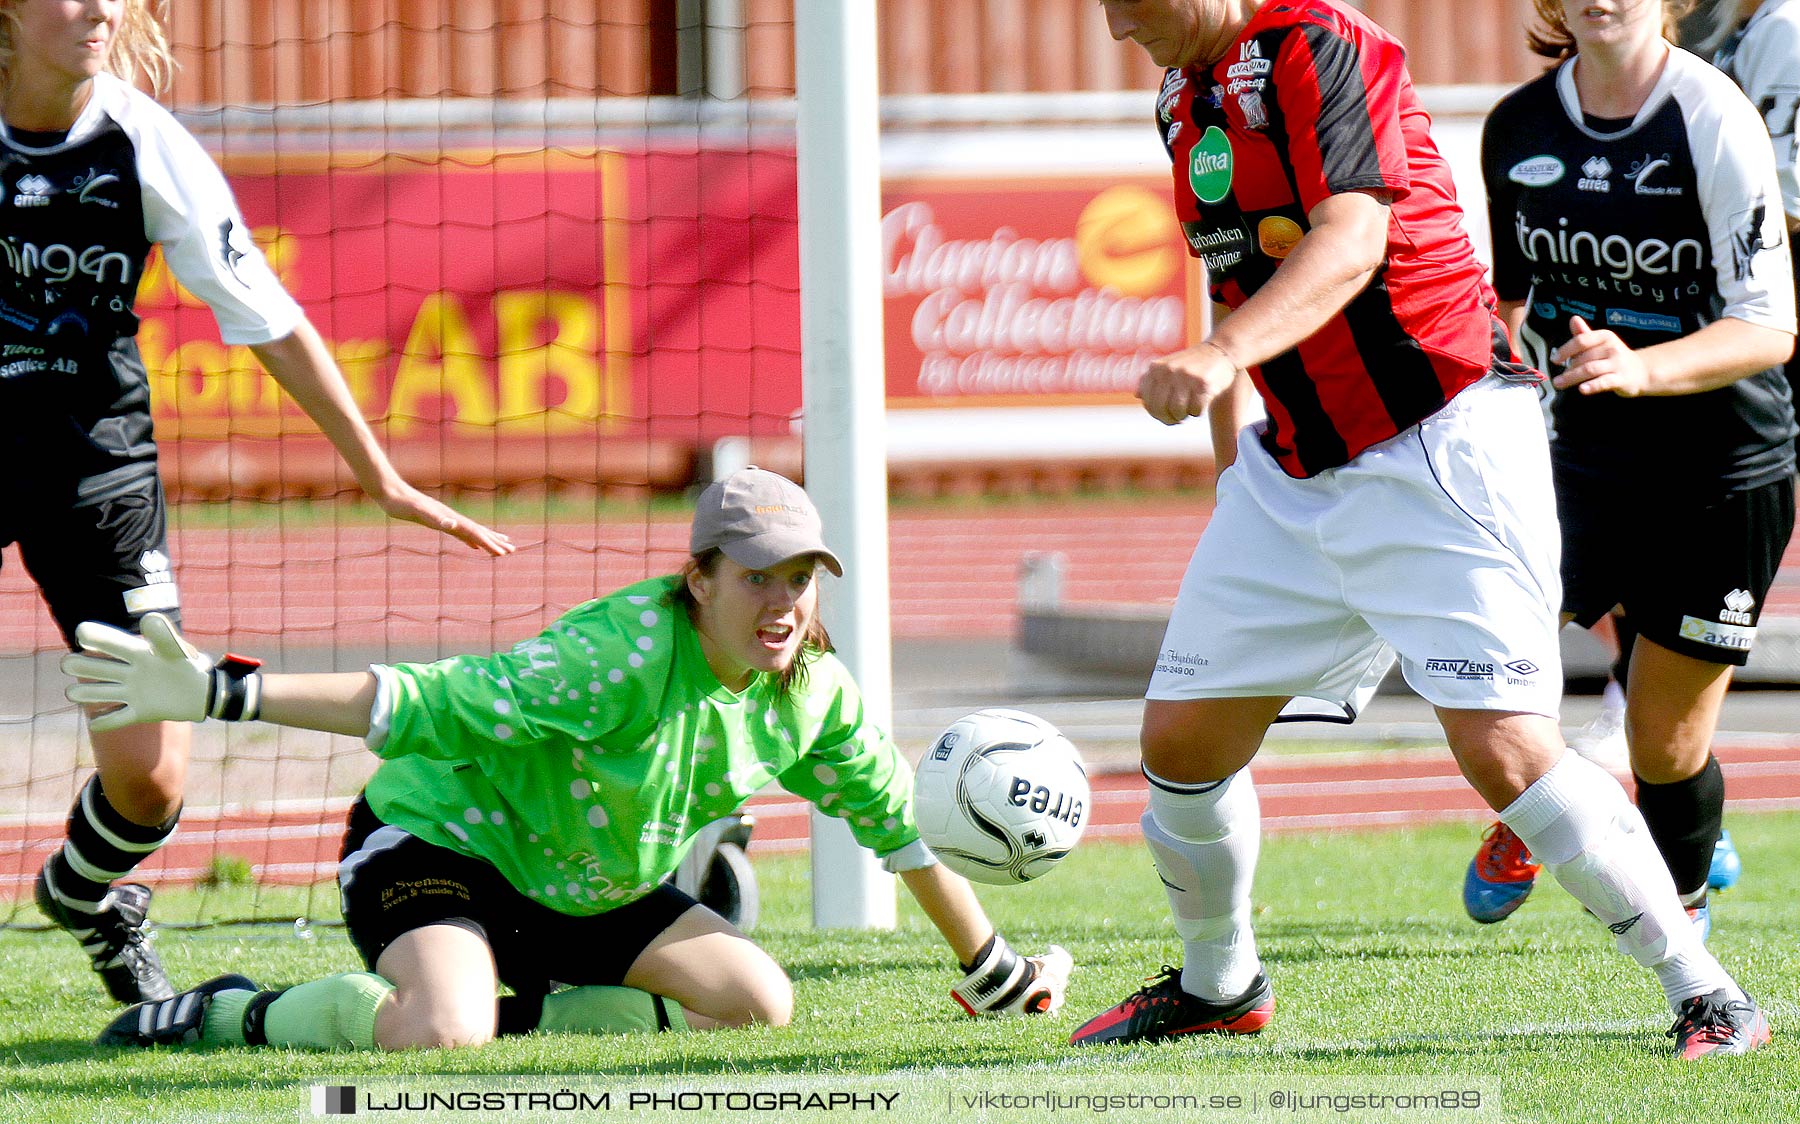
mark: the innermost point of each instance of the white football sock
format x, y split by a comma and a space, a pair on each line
1577, 821
1205, 840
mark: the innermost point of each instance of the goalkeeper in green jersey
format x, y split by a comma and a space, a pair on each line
530, 805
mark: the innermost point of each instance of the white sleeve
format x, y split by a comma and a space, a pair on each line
381, 713
913, 856
1768, 67
189, 210
1742, 206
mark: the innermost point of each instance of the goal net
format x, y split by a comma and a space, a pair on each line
554, 250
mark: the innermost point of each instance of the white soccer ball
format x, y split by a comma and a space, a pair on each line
1001, 796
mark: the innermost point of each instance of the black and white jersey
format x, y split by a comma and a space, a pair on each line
77, 220
1763, 58
1653, 228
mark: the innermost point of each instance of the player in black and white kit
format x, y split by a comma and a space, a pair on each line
92, 174
1757, 44
1641, 258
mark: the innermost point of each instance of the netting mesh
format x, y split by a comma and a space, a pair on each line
554, 273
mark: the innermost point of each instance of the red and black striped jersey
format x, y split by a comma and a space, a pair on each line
1313, 100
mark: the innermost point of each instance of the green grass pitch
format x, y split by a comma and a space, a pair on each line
1381, 983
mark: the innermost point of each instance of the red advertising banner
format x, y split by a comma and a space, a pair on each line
1029, 292
637, 293
493, 311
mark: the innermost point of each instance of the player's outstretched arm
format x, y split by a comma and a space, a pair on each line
996, 980
157, 676
303, 366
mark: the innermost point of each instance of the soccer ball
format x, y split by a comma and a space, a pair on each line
1001, 796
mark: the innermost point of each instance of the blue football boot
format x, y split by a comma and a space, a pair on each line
1726, 867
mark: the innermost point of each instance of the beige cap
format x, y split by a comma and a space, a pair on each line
760, 519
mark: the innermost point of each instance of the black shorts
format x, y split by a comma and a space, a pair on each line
105, 560
1690, 575
396, 882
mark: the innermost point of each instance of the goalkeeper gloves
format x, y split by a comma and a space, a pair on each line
158, 677
1003, 982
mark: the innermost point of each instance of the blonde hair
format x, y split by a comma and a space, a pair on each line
140, 48
1723, 18
1553, 40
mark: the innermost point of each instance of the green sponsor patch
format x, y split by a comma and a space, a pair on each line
1209, 166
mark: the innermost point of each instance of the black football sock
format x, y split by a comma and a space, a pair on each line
102, 846
1684, 819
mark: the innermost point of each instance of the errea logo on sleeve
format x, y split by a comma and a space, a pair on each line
158, 593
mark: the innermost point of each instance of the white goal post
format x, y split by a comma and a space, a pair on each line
844, 389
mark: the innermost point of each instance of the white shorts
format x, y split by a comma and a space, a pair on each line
1440, 543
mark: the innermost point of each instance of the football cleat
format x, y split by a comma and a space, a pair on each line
1716, 1024
175, 1021
1500, 876
1161, 1009
1726, 867
114, 939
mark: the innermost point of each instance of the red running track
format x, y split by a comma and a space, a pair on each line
954, 573
1304, 792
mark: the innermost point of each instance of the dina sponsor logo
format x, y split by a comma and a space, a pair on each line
1209, 166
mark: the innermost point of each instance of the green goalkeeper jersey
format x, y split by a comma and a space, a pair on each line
581, 763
